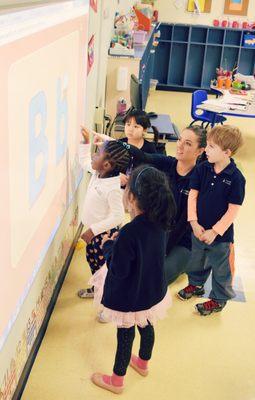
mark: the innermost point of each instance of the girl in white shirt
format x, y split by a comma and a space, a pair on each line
103, 209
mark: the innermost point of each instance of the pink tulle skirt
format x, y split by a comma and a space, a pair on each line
127, 319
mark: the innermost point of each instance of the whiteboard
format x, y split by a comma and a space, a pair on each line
42, 85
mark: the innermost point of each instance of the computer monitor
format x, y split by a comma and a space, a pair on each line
138, 95
135, 93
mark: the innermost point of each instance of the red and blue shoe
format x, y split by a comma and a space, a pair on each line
210, 307
189, 291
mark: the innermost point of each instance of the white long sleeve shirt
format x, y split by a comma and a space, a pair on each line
103, 207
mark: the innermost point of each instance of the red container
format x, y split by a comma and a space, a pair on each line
155, 16
216, 22
235, 24
245, 25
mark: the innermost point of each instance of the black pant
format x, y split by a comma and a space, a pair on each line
125, 338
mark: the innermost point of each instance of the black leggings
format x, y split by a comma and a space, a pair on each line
125, 338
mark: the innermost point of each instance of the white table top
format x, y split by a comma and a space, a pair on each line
248, 113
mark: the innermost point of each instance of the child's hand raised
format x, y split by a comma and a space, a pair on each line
85, 134
98, 141
100, 138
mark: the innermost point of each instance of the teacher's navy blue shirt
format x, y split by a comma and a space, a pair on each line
181, 232
216, 192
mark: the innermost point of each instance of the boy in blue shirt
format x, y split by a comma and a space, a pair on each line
217, 192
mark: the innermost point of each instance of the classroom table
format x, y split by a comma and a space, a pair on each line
248, 113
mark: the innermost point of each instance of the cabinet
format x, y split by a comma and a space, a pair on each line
187, 56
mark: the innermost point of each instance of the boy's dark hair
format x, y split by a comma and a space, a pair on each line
142, 118
117, 155
154, 196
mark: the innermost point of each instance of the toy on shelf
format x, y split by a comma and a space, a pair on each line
144, 14
224, 78
248, 79
139, 36
122, 38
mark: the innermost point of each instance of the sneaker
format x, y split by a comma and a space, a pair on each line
86, 293
209, 307
189, 291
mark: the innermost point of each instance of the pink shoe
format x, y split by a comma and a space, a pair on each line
133, 364
97, 379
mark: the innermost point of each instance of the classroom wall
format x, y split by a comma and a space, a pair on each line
168, 12
101, 26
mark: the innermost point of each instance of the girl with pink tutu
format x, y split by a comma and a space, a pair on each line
133, 290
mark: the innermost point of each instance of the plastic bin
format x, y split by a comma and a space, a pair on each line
139, 37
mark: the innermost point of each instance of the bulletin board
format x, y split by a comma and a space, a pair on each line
42, 87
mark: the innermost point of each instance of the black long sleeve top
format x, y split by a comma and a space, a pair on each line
136, 277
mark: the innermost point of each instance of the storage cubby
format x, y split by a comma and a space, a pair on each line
211, 62
195, 65
229, 57
181, 33
215, 36
166, 32
190, 59
177, 64
246, 64
161, 62
198, 35
233, 37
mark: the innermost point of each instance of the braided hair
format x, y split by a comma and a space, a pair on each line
154, 197
117, 155
200, 133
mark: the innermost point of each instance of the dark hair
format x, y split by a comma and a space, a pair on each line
201, 134
142, 118
153, 194
117, 155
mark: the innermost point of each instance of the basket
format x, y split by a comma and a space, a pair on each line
139, 36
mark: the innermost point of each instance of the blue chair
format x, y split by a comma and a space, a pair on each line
207, 117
